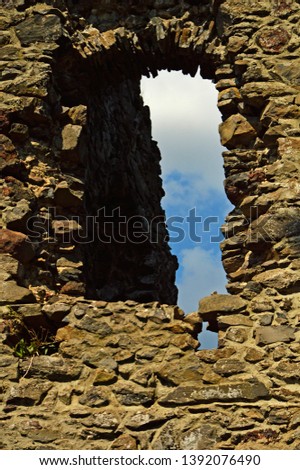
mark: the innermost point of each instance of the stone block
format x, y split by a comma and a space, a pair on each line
150, 418
11, 293
95, 325
226, 367
239, 391
262, 304
236, 334
279, 416
254, 355
78, 114
17, 244
194, 319
223, 304
124, 442
65, 228
104, 376
9, 266
103, 423
69, 274
202, 437
16, 217
232, 263
225, 322
287, 371
8, 367
95, 397
44, 436
269, 228
10, 164
39, 28
289, 148
131, 394
237, 131
266, 319
273, 334
211, 356
284, 280
57, 311
257, 93
274, 39
278, 108
28, 392
19, 132
70, 137
53, 368
73, 288
177, 374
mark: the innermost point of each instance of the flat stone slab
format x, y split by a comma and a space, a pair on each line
244, 391
274, 334
224, 304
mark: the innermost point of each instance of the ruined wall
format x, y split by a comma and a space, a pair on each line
75, 138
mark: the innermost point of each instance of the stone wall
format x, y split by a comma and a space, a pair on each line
76, 141
127, 376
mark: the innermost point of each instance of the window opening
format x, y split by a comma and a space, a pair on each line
185, 122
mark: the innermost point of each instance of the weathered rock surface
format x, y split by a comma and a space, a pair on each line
9, 267
39, 28
28, 392
237, 131
286, 281
11, 293
17, 244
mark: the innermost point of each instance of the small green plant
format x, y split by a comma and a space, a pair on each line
25, 341
22, 349
35, 344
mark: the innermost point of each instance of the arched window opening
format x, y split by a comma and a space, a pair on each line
185, 122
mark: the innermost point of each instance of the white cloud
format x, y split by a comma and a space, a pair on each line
182, 192
202, 273
185, 123
191, 153
185, 191
192, 96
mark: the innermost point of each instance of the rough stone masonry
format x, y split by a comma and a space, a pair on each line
125, 372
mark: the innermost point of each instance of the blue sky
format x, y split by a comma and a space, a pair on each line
185, 121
